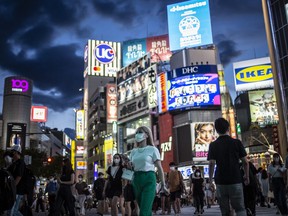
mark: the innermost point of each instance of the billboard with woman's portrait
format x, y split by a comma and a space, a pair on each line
203, 133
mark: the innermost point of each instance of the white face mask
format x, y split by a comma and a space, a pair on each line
80, 179
51, 179
117, 161
172, 168
276, 159
139, 137
197, 174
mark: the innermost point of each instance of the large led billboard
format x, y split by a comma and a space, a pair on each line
132, 80
203, 133
253, 74
16, 134
189, 87
157, 46
39, 114
80, 124
133, 50
189, 24
263, 107
102, 58
111, 95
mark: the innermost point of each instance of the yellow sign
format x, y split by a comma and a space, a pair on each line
81, 165
255, 73
73, 149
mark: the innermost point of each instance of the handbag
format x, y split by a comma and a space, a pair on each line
128, 174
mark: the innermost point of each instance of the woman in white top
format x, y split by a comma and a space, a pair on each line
144, 158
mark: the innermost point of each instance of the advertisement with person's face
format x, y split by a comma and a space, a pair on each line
263, 107
203, 133
196, 90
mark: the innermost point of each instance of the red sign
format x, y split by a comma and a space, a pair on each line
39, 113
159, 48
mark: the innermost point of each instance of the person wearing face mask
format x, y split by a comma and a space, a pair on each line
98, 188
176, 186
113, 187
81, 191
197, 191
144, 158
277, 174
51, 189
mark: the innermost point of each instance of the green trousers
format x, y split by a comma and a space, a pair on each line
144, 185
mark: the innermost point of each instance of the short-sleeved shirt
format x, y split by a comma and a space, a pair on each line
143, 159
198, 186
18, 169
80, 186
66, 177
227, 151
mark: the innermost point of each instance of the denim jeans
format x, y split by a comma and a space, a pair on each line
15, 209
231, 195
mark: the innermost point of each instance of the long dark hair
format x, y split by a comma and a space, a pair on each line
280, 160
67, 167
120, 163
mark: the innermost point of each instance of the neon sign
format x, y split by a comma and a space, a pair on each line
20, 85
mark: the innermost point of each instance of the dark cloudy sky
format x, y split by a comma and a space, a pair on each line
44, 40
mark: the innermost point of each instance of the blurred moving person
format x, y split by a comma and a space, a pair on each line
98, 188
51, 189
81, 191
197, 191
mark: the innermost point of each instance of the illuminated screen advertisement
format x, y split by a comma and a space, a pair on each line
16, 134
188, 87
102, 58
263, 107
111, 96
159, 48
189, 24
203, 133
253, 74
132, 80
39, 113
80, 124
133, 50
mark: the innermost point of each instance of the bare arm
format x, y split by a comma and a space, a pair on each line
161, 173
211, 169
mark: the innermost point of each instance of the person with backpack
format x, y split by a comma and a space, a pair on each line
51, 189
176, 186
17, 170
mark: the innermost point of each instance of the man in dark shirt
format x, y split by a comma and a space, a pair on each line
226, 152
98, 188
17, 170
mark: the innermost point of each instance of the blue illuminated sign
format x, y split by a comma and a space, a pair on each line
132, 50
189, 24
104, 53
195, 90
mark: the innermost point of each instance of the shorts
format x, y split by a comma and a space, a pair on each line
175, 194
113, 192
129, 193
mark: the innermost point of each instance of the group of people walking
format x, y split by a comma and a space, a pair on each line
131, 181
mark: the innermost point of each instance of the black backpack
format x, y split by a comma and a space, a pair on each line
29, 180
7, 190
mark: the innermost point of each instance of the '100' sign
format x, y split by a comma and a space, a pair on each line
20, 85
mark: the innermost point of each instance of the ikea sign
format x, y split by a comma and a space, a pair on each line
253, 74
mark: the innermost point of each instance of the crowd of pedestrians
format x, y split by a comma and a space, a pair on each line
137, 185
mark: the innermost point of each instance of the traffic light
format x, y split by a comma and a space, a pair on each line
49, 160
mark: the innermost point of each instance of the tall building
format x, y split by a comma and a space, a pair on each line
16, 111
276, 24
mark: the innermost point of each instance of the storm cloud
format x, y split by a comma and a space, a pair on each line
44, 40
